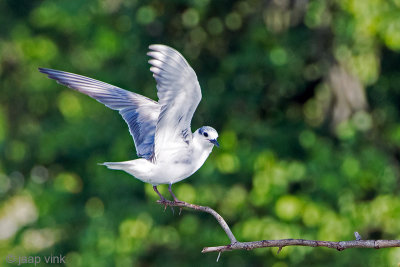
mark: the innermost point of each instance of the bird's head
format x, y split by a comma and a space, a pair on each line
207, 136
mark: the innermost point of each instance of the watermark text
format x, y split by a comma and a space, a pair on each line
20, 260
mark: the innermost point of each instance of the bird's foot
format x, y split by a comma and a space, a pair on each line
178, 201
163, 202
166, 203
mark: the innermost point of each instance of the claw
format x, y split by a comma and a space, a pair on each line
219, 255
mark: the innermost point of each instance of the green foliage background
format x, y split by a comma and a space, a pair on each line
286, 169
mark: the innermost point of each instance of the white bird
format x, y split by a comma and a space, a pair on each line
169, 152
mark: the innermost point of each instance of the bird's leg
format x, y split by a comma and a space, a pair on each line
158, 193
161, 197
172, 194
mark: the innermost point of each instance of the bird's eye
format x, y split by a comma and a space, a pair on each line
205, 134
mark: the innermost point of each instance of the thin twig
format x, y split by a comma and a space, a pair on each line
209, 210
236, 245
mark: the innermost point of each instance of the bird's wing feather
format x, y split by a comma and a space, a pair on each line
179, 94
139, 112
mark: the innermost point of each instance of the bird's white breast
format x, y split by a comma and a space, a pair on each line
178, 167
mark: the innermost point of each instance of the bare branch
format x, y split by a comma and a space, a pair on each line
236, 245
342, 245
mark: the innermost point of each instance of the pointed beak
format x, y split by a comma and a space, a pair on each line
215, 142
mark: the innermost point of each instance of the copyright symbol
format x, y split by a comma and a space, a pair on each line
11, 259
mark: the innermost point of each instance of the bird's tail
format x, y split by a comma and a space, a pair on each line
139, 168
122, 165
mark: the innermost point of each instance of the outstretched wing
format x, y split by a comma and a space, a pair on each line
139, 112
179, 95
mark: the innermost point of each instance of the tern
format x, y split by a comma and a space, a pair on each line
168, 151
